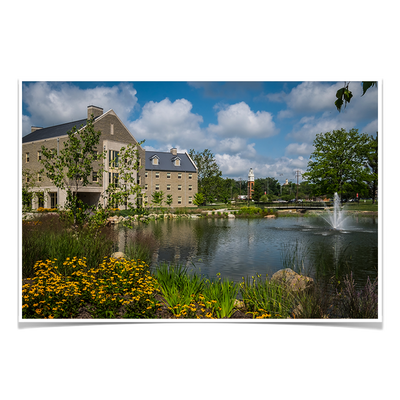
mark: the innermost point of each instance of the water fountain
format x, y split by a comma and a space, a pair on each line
337, 217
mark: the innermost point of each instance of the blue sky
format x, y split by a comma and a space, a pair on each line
267, 126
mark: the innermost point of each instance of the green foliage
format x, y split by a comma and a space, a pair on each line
265, 299
169, 200
126, 167
221, 294
338, 162
344, 95
198, 199
50, 238
71, 168
208, 174
157, 198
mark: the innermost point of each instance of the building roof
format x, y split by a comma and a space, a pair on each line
166, 162
52, 131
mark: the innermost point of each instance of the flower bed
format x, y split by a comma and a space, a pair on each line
118, 288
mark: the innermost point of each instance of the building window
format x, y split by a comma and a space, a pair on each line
113, 158
94, 177
27, 178
40, 197
157, 174
27, 157
190, 176
190, 187
154, 160
190, 199
179, 176
179, 199
157, 187
113, 178
168, 187
39, 177
177, 162
179, 187
53, 200
168, 175
146, 199
39, 155
146, 186
146, 174
112, 129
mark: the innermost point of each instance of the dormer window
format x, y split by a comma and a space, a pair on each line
177, 161
154, 160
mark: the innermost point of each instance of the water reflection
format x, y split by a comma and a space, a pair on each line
245, 247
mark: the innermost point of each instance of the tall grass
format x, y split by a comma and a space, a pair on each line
357, 303
50, 238
141, 247
191, 295
265, 299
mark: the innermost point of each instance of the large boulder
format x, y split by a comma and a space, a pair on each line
118, 254
292, 280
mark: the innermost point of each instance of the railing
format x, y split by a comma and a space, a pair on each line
296, 205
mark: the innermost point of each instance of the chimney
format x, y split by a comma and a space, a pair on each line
96, 111
35, 128
174, 151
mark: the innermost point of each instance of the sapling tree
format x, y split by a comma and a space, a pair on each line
157, 198
71, 168
123, 171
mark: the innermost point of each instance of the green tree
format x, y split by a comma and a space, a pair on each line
28, 183
72, 167
258, 190
372, 163
208, 174
198, 199
169, 200
157, 198
123, 170
338, 161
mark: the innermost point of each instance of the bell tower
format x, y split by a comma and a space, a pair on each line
250, 184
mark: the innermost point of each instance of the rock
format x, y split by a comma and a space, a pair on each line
231, 216
239, 304
118, 254
292, 280
270, 216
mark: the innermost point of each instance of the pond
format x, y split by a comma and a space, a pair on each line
237, 248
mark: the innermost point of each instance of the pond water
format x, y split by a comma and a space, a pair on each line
237, 248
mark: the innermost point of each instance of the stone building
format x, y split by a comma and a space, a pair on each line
172, 173
114, 136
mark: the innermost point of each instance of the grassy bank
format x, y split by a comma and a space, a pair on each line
68, 273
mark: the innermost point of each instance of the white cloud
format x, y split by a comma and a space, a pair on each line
238, 120
233, 165
52, 103
309, 130
303, 149
169, 122
371, 128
